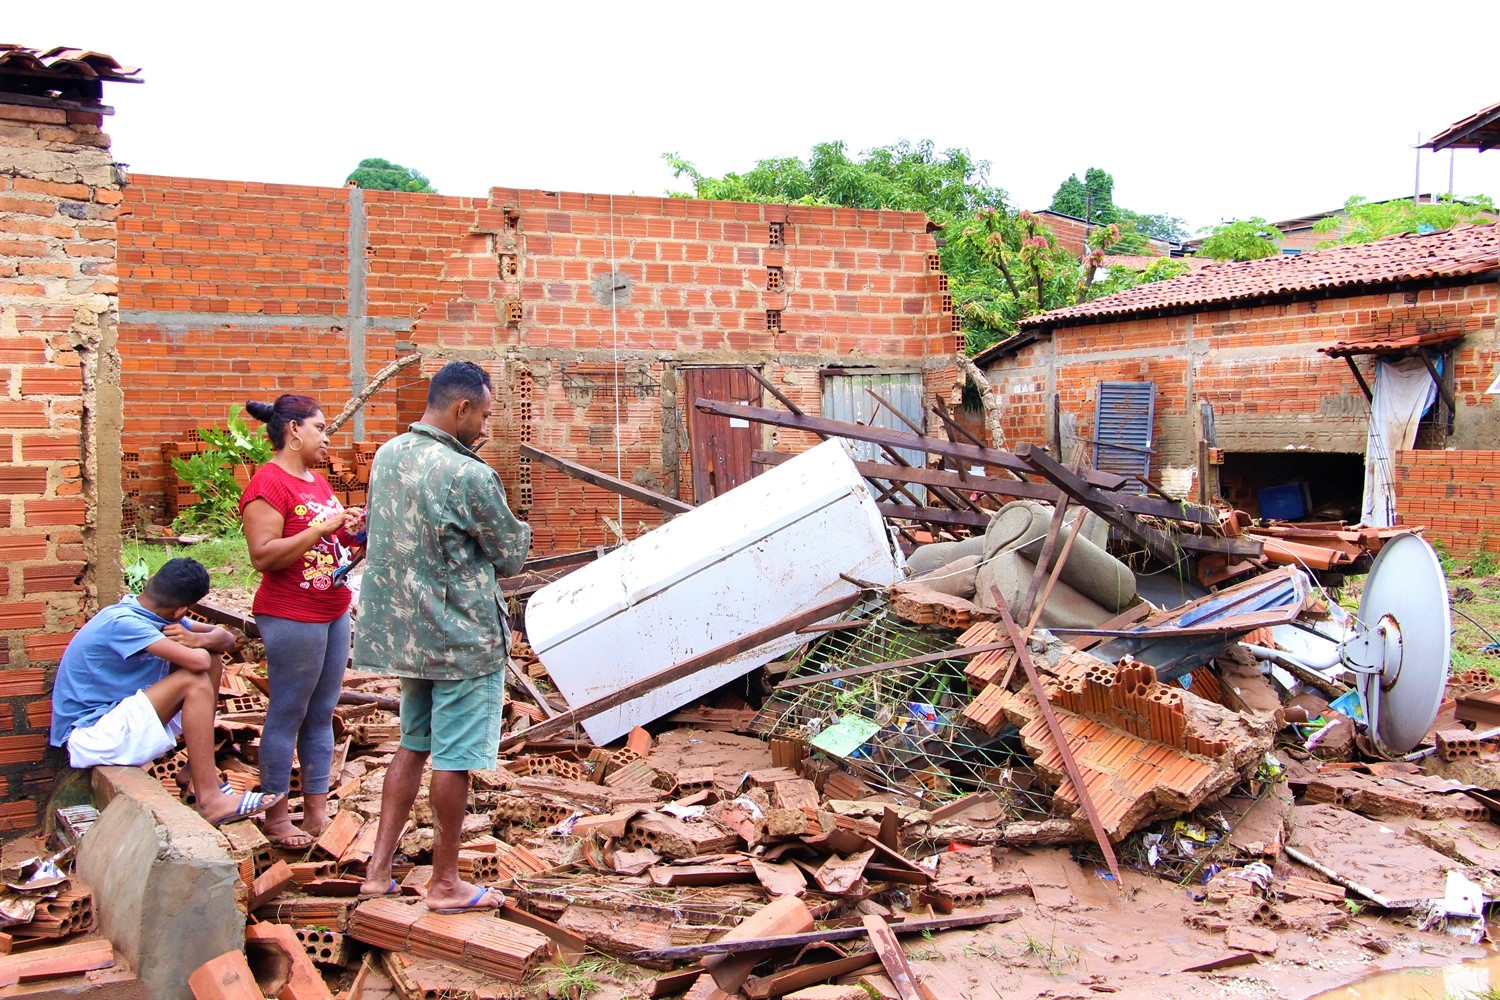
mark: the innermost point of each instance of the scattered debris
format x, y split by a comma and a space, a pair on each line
766, 804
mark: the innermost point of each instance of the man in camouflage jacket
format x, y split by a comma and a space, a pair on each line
440, 536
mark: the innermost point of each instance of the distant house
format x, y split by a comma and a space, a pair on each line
1298, 233
1271, 363
1480, 131
1072, 234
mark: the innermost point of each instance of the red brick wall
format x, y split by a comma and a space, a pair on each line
1072, 234
58, 555
856, 287
1259, 367
1452, 494
234, 290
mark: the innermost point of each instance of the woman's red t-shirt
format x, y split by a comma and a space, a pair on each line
303, 591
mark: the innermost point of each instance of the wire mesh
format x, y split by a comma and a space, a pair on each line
920, 743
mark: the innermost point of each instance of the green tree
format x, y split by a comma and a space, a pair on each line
375, 174
1158, 227
911, 177
1241, 239
1364, 221
1092, 198
1002, 265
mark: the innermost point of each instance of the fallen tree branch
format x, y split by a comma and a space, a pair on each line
381, 378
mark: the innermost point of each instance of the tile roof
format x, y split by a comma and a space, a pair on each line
1481, 130
1464, 250
65, 62
60, 77
1392, 345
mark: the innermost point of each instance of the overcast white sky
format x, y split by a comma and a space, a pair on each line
1208, 111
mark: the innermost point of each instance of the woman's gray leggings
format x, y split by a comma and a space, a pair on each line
305, 663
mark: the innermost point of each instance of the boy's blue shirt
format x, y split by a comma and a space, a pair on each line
105, 663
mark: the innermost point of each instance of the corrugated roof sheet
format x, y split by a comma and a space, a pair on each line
1464, 250
65, 63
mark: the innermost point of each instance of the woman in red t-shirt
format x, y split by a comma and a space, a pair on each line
298, 535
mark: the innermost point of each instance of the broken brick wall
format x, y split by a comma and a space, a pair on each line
1259, 366
59, 421
1452, 495
585, 308
597, 305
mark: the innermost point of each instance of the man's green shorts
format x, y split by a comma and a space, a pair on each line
458, 722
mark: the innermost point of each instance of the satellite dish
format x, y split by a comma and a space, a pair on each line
1399, 644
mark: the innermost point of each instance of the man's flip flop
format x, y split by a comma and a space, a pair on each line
484, 899
250, 804
393, 890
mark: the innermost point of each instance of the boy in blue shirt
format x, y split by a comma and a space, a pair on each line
138, 675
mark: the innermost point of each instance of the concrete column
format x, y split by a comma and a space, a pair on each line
359, 320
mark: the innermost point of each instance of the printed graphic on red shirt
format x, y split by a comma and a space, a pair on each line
321, 561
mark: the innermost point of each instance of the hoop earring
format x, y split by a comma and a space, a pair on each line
296, 444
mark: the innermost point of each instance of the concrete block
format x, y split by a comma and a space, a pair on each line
164, 882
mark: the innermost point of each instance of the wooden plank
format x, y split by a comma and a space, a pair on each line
721, 946
629, 491
684, 668
1069, 763
935, 515
893, 958
875, 668
1023, 489
956, 500
529, 686
1166, 547
1052, 578
1044, 560
895, 439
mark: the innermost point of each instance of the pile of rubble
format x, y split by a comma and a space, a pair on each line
1013, 729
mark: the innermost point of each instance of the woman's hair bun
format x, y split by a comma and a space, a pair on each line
260, 411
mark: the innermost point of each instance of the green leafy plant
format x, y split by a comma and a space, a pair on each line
1241, 239
1364, 221
136, 575
211, 474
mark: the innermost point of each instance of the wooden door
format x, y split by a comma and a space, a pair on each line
719, 447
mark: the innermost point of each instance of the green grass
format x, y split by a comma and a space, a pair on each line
227, 559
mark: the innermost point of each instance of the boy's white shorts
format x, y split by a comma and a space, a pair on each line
130, 734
